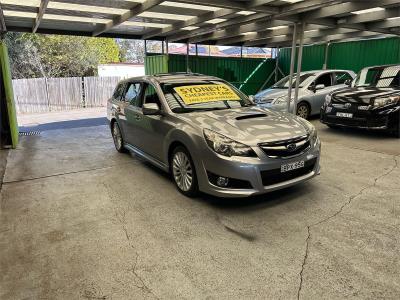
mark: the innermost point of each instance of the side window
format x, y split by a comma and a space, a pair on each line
151, 96
132, 95
341, 77
119, 90
325, 79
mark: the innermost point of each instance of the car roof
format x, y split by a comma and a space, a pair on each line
172, 77
326, 71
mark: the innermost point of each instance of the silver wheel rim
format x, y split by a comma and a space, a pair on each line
117, 137
302, 111
182, 171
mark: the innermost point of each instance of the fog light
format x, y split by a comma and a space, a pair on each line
222, 181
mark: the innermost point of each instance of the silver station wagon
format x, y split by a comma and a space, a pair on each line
210, 136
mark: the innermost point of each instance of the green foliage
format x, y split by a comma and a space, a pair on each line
37, 55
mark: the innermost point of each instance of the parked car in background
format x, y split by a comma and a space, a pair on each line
210, 136
313, 88
372, 101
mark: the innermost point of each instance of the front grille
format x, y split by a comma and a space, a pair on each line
286, 148
274, 176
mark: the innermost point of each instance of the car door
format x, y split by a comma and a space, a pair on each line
132, 111
117, 104
152, 129
317, 98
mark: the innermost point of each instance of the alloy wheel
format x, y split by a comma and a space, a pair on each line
182, 171
302, 111
117, 137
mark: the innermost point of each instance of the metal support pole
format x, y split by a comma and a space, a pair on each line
197, 50
276, 63
299, 61
292, 55
166, 47
187, 57
162, 47
325, 66
145, 47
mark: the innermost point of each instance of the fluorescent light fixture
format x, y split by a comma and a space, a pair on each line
190, 28
369, 10
215, 21
149, 14
144, 24
394, 18
293, 1
190, 6
280, 36
249, 33
311, 30
245, 12
86, 8
278, 27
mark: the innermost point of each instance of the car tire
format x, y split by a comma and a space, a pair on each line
117, 138
183, 172
303, 110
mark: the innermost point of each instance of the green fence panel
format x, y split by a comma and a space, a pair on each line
359, 54
313, 58
9, 95
156, 64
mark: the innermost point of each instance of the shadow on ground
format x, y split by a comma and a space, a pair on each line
66, 124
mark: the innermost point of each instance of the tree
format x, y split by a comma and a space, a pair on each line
131, 50
38, 55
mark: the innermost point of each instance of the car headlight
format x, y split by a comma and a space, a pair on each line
328, 99
311, 131
379, 102
226, 146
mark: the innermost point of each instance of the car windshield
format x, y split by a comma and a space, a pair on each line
203, 96
284, 83
381, 77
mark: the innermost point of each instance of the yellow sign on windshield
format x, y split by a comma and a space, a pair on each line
193, 94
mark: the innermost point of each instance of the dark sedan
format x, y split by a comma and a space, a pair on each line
371, 102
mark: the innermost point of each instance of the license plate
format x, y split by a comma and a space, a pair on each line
292, 166
344, 115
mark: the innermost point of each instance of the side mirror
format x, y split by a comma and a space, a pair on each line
319, 87
348, 82
151, 109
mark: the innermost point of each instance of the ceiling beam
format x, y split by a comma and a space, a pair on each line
260, 35
3, 27
343, 8
39, 17
239, 31
383, 24
177, 26
137, 9
238, 5
371, 16
288, 37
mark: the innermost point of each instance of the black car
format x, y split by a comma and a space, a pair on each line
372, 101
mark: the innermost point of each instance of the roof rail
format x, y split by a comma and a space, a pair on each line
178, 73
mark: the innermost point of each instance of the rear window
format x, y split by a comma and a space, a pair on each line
382, 77
119, 91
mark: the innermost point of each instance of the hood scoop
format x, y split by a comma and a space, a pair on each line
251, 116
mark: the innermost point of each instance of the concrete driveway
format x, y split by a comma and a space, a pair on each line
80, 221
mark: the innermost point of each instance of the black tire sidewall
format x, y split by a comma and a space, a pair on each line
194, 189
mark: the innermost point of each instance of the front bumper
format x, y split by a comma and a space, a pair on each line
386, 118
257, 171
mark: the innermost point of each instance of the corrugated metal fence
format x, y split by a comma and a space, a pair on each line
353, 55
56, 94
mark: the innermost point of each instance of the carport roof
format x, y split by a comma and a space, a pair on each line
261, 23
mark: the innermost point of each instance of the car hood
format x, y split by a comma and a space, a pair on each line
249, 125
362, 95
272, 94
